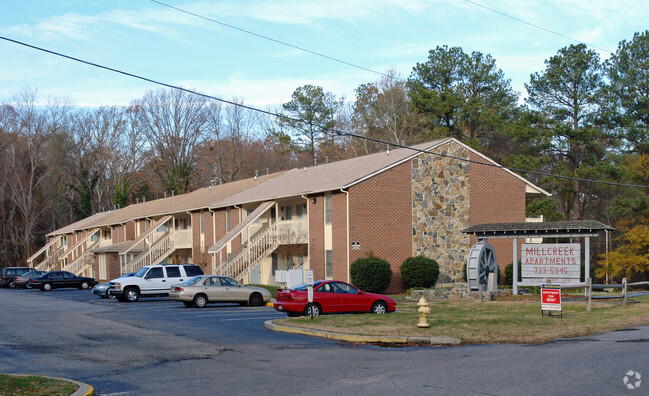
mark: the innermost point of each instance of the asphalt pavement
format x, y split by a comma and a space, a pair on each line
159, 347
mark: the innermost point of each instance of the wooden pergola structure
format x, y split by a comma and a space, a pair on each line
556, 229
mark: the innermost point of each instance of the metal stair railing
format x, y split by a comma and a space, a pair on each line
263, 243
79, 264
160, 250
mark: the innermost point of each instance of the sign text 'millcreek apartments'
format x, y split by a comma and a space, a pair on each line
558, 262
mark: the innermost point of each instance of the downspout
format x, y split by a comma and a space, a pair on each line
191, 227
348, 242
308, 232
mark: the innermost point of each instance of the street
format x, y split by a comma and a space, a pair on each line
157, 346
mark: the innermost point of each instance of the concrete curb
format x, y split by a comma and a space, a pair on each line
84, 389
362, 338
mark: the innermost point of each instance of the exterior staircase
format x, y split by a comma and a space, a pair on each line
82, 263
49, 264
261, 245
159, 250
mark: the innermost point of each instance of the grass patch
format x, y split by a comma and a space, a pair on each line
34, 385
508, 321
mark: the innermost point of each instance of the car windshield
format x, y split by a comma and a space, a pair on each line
303, 286
193, 280
141, 272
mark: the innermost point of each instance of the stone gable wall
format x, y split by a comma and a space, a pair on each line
440, 209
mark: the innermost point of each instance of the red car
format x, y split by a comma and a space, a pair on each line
331, 296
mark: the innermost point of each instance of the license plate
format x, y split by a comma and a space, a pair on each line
279, 306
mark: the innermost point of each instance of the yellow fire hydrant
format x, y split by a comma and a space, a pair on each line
424, 310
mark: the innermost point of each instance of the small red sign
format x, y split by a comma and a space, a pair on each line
551, 297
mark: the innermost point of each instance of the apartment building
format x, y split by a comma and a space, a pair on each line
393, 204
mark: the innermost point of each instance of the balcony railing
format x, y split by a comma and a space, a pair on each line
182, 238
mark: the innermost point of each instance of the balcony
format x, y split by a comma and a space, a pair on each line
292, 232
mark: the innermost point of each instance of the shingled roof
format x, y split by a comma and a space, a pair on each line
544, 229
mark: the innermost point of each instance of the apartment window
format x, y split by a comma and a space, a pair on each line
329, 264
64, 241
94, 237
328, 209
119, 234
298, 211
202, 222
227, 220
289, 212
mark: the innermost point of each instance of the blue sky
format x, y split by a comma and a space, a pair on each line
145, 38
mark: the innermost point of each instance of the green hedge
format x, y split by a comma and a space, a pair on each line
371, 274
419, 271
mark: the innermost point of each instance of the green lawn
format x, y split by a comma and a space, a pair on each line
510, 321
34, 385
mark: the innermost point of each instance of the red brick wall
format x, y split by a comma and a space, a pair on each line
339, 235
130, 230
496, 197
316, 236
196, 237
381, 219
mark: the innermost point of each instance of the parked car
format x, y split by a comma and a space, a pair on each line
61, 279
23, 280
8, 275
103, 289
152, 281
331, 296
201, 290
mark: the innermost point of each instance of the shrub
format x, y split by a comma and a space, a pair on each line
272, 289
419, 271
509, 273
371, 274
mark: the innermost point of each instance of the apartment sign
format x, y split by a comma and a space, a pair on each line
558, 262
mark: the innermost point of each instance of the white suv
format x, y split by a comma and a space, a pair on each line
152, 281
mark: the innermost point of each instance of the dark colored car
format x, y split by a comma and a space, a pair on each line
61, 279
23, 280
8, 275
331, 297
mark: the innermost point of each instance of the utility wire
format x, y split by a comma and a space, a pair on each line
537, 26
271, 39
324, 129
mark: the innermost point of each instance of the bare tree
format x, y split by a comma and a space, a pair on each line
34, 126
173, 123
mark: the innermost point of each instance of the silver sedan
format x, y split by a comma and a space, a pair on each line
201, 290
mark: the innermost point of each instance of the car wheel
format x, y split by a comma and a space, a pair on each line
256, 299
131, 294
109, 294
84, 286
379, 307
317, 310
46, 287
200, 301
12, 284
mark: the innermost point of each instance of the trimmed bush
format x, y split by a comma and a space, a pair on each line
371, 274
509, 273
419, 271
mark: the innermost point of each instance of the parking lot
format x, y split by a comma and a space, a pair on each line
159, 347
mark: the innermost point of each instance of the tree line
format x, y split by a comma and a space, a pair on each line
581, 118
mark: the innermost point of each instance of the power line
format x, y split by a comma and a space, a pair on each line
324, 129
331, 58
537, 26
